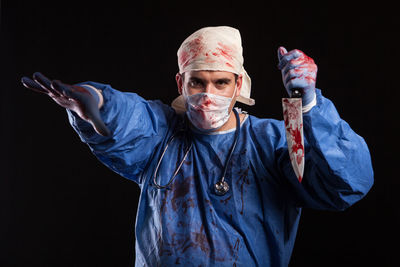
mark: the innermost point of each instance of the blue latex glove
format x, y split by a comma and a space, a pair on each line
83, 100
298, 71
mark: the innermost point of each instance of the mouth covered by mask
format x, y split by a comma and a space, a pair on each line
212, 49
208, 112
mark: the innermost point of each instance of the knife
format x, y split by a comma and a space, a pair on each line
293, 117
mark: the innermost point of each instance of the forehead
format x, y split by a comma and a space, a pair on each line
209, 74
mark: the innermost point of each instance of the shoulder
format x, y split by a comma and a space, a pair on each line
163, 110
265, 126
130, 104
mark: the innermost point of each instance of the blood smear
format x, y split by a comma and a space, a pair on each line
293, 124
225, 51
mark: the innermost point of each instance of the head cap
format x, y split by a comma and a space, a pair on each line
216, 49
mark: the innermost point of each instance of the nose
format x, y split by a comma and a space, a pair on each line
206, 101
209, 88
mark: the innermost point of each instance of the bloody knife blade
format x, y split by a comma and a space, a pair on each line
293, 117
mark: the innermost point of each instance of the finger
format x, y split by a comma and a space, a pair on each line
300, 79
281, 51
45, 83
289, 56
73, 91
30, 84
61, 88
297, 83
290, 66
79, 91
292, 74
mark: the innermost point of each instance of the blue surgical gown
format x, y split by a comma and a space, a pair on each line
255, 223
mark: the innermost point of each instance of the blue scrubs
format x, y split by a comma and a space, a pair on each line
255, 223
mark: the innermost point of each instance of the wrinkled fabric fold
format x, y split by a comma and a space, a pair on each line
255, 223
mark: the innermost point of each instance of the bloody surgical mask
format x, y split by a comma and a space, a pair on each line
208, 112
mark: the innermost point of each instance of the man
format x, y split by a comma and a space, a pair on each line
217, 185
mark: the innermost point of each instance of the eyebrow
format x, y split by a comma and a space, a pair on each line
197, 79
226, 80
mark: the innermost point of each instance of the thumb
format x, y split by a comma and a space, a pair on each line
100, 127
98, 124
281, 51
94, 118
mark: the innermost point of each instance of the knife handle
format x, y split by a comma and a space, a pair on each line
296, 93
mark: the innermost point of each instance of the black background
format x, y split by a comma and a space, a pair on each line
60, 207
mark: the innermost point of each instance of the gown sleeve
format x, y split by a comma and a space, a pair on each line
138, 127
338, 170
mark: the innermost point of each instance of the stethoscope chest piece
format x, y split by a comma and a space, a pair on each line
221, 187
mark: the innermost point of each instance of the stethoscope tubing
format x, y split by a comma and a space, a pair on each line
221, 187
158, 186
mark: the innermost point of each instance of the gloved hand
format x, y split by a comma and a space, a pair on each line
83, 100
298, 71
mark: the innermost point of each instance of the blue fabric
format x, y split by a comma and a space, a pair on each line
255, 223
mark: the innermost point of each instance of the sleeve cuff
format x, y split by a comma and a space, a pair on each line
309, 106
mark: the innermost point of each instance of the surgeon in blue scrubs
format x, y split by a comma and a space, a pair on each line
217, 184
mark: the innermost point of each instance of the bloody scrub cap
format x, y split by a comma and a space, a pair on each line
219, 49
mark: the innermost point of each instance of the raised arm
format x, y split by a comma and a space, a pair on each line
122, 129
83, 100
338, 170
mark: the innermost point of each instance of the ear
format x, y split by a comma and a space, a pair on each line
179, 82
239, 83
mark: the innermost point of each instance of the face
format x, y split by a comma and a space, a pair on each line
206, 112
221, 83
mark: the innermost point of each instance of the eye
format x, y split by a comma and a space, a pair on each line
222, 83
195, 83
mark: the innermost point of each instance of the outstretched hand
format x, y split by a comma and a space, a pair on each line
298, 72
83, 100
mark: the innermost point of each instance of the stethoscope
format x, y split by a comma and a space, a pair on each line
221, 187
